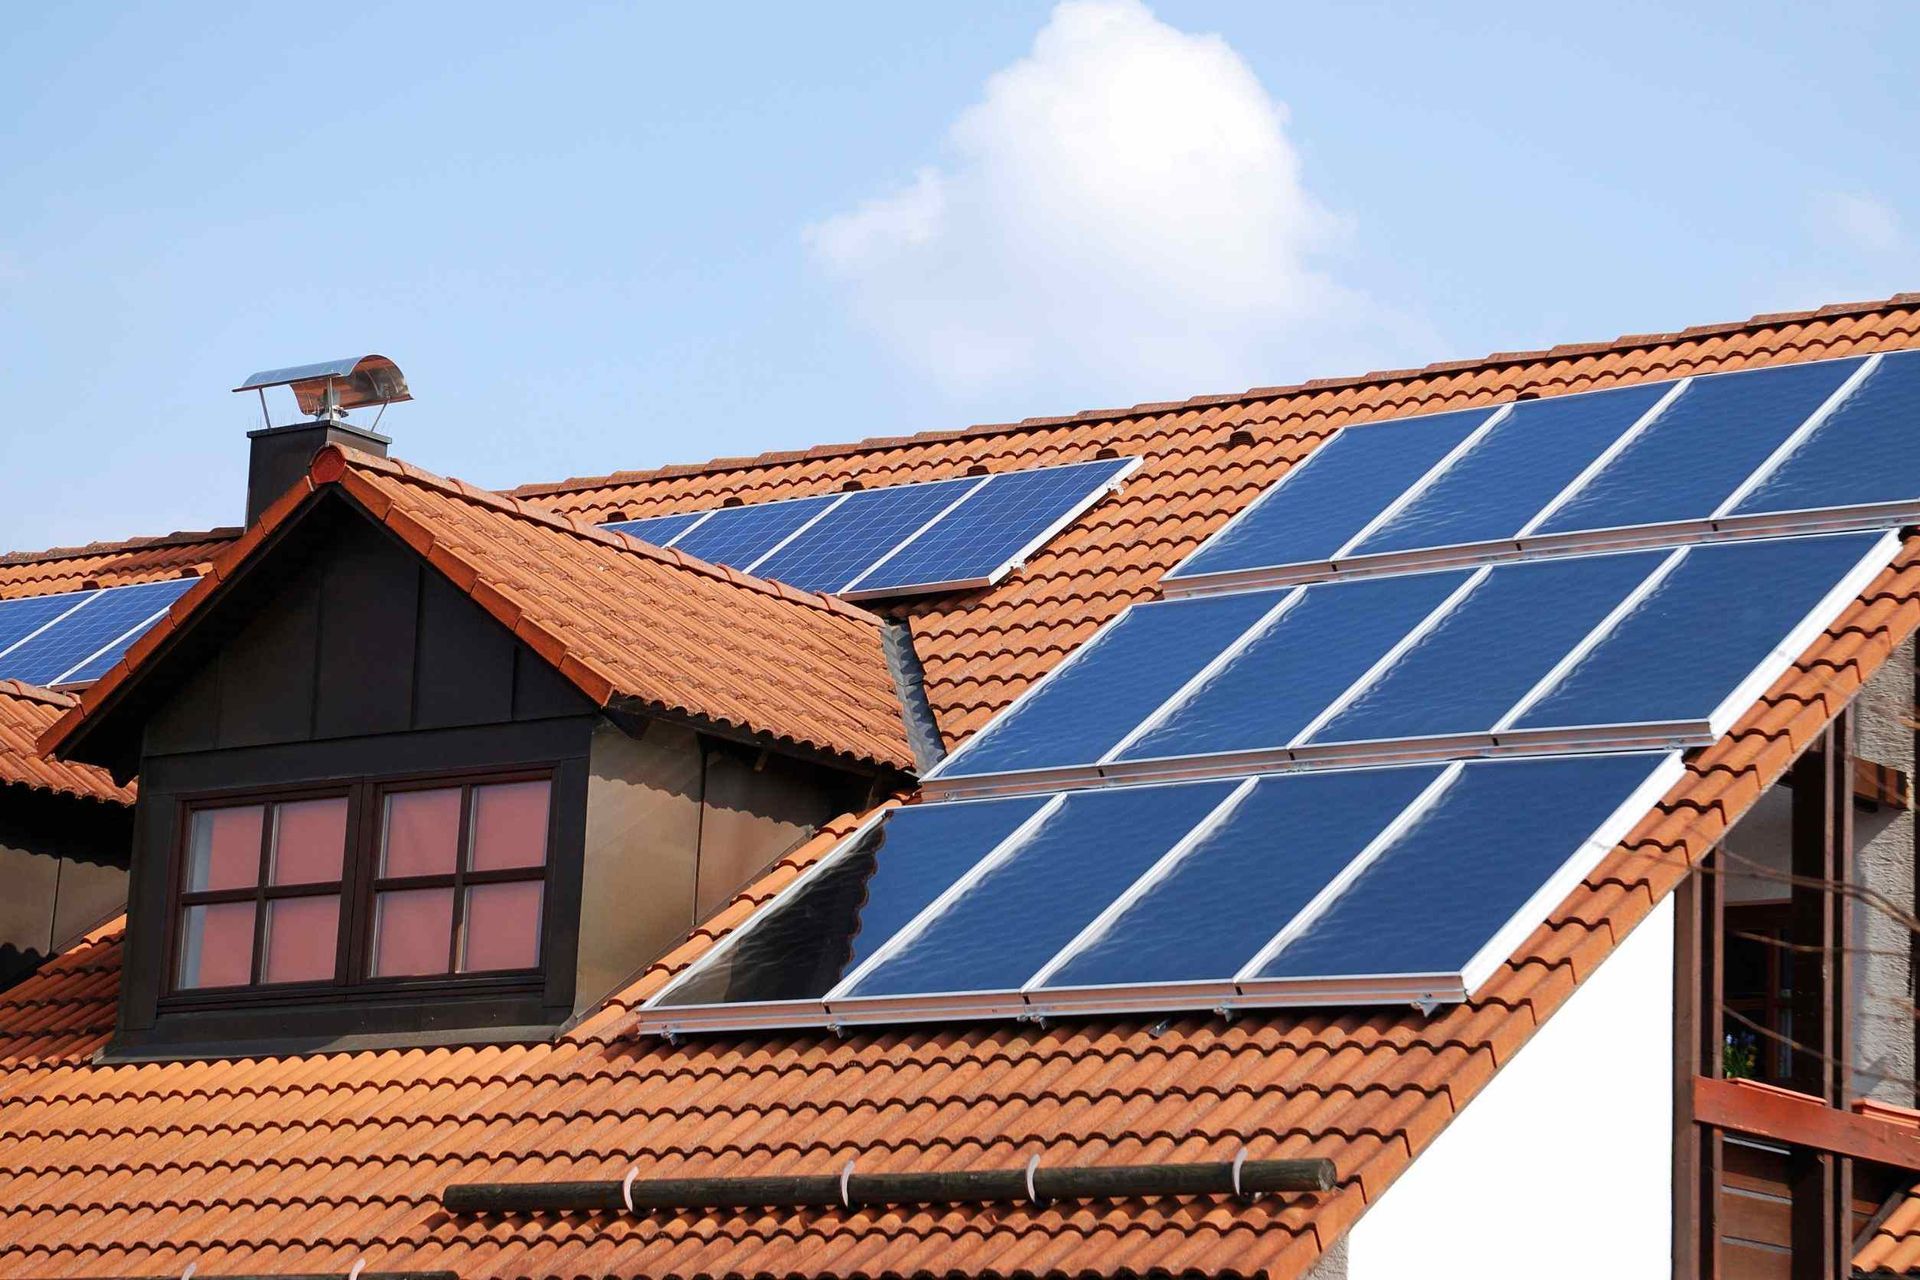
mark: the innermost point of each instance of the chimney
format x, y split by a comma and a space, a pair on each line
278, 456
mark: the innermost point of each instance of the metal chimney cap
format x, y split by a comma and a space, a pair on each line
336, 385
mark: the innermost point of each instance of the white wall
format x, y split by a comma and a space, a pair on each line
1563, 1164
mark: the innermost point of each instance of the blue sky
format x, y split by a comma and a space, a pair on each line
613, 236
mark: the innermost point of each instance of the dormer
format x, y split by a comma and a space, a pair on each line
422, 764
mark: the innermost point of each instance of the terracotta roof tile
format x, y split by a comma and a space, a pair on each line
307, 1164
109, 564
753, 657
26, 712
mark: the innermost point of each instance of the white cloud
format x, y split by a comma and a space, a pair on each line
1865, 223
1121, 215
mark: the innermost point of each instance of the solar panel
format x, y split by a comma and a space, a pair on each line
940, 535
20, 619
1724, 455
1195, 895
659, 530
91, 636
1383, 722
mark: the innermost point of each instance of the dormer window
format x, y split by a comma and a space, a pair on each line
374, 885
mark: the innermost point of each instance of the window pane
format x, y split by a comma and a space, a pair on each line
422, 835
224, 852
509, 826
412, 932
216, 945
303, 937
309, 840
502, 927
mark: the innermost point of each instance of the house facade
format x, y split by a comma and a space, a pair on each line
350, 896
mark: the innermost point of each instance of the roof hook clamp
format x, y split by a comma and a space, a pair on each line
846, 1186
1240, 1192
1033, 1193
626, 1187
359, 1265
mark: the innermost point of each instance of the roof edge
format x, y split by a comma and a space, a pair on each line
1254, 395
181, 537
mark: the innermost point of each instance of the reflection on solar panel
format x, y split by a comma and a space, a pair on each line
942, 535
1379, 725
1782, 449
1317, 888
75, 637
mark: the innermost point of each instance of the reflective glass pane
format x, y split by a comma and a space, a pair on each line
991, 527
1515, 469
1702, 446
502, 927
1530, 614
509, 825
738, 536
1235, 889
1440, 892
815, 935
412, 932
303, 939
1269, 691
1867, 451
216, 946
1112, 683
422, 833
223, 851
1013, 920
1725, 608
309, 841
848, 539
1318, 506
659, 530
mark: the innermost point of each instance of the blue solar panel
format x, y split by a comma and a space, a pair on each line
1867, 451
1703, 630
1011, 921
21, 618
1441, 892
829, 924
1505, 479
1701, 447
1235, 888
659, 530
107, 624
738, 536
1317, 507
848, 539
1268, 692
1111, 684
1528, 614
992, 527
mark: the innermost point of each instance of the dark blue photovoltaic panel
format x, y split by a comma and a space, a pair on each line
815, 934
738, 536
991, 527
1515, 470
848, 539
1239, 885
1268, 692
659, 530
21, 618
1499, 642
1313, 510
1111, 684
105, 621
1702, 446
1867, 451
1009, 923
1701, 631
1440, 892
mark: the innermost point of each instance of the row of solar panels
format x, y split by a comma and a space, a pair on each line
1408, 883
942, 535
76, 636
1654, 647
1658, 461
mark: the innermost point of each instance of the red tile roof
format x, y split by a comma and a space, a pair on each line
25, 713
109, 564
307, 1164
741, 654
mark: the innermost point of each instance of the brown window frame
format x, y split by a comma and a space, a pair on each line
352, 979
1768, 926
